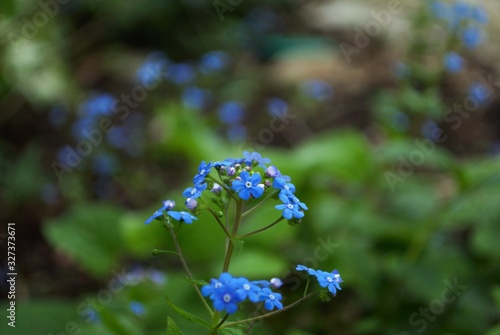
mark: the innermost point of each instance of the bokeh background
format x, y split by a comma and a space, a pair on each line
383, 112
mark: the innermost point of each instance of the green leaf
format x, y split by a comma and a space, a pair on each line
198, 282
231, 331
172, 328
238, 245
89, 234
187, 315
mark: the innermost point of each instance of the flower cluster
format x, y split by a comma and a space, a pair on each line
241, 176
463, 19
329, 280
227, 292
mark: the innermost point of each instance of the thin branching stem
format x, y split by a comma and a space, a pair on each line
262, 229
272, 194
260, 317
230, 247
228, 235
186, 267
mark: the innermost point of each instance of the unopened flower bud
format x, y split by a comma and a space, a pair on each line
248, 168
168, 204
268, 183
231, 171
216, 188
272, 171
276, 282
191, 204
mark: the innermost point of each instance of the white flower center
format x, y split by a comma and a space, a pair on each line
202, 172
217, 285
246, 287
193, 191
290, 206
329, 279
271, 296
248, 184
227, 297
286, 187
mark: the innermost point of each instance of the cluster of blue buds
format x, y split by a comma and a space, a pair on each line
227, 292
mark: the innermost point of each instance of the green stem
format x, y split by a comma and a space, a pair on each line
214, 331
230, 247
220, 223
272, 194
260, 317
307, 286
186, 267
262, 229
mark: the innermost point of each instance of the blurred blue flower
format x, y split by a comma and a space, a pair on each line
248, 185
400, 121
118, 137
440, 9
318, 89
104, 164
479, 91
214, 61
276, 107
428, 130
236, 132
195, 98
85, 123
252, 158
231, 112
461, 10
49, 194
453, 62
153, 69
58, 115
181, 74
137, 308
479, 15
98, 104
157, 277
471, 37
